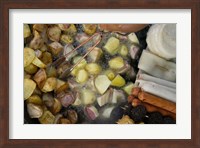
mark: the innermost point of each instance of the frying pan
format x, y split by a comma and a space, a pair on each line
142, 39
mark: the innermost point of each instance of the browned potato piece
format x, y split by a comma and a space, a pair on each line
29, 86
44, 36
72, 116
62, 67
60, 86
95, 54
44, 48
51, 71
49, 85
71, 30
47, 118
37, 42
37, 91
48, 99
67, 39
27, 31
54, 33
56, 107
89, 29
29, 56
46, 58
38, 53
34, 111
40, 77
35, 99
31, 69
37, 62
56, 48
39, 27
65, 121
57, 118
125, 120
28, 76
64, 27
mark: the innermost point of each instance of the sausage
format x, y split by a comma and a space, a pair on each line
124, 28
135, 91
151, 108
157, 101
130, 98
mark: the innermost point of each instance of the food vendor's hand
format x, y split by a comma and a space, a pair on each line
123, 28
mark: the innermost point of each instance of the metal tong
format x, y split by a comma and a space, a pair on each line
63, 58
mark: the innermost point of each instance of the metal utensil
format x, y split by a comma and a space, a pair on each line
62, 59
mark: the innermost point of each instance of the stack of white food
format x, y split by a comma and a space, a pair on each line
157, 74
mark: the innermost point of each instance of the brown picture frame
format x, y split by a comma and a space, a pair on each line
6, 5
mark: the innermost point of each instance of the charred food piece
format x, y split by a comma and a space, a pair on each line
117, 113
155, 118
127, 107
138, 113
168, 120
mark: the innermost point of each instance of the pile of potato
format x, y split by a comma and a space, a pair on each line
45, 93
43, 43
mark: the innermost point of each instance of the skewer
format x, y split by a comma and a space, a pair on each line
62, 59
